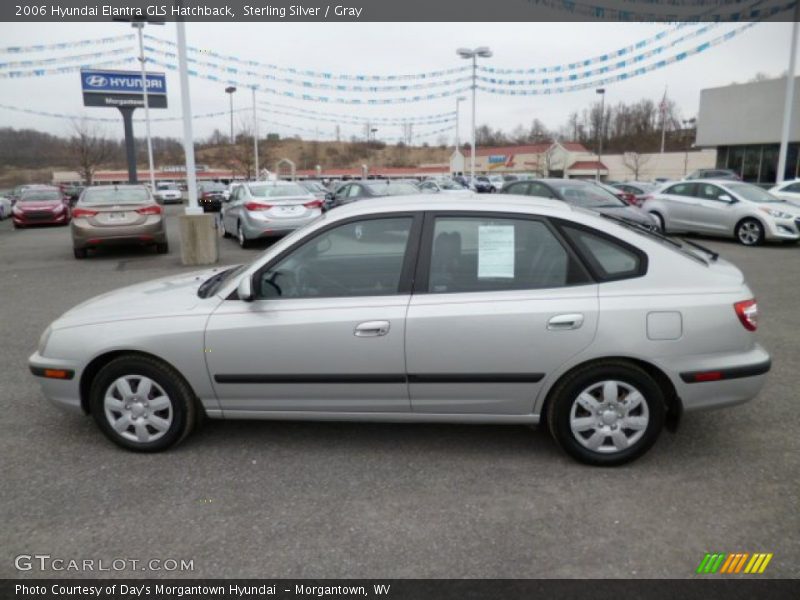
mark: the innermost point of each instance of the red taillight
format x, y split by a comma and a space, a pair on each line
257, 206
154, 209
83, 212
313, 204
747, 311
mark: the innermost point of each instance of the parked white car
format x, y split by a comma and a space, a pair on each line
167, 193
5, 207
788, 190
444, 186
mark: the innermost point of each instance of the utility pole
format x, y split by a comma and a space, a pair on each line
473, 54
139, 25
602, 93
255, 134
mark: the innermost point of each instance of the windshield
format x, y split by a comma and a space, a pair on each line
128, 195
168, 186
213, 186
587, 195
43, 196
753, 193
277, 191
392, 189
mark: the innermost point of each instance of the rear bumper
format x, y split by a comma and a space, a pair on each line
87, 236
720, 380
254, 228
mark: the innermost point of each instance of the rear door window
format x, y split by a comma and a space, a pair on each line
681, 189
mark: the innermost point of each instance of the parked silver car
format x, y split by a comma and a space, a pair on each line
267, 209
515, 311
726, 209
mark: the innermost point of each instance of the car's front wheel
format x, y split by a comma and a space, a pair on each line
750, 232
606, 414
142, 404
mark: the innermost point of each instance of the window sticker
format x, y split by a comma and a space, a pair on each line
495, 251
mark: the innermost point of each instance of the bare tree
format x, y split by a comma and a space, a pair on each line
241, 154
634, 162
89, 148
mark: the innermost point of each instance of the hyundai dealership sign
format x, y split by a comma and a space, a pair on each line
122, 88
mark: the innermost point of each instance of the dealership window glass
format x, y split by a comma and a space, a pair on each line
361, 258
752, 163
769, 164
472, 254
722, 157
609, 259
736, 159
792, 162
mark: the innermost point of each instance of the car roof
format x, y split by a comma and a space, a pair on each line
125, 186
433, 202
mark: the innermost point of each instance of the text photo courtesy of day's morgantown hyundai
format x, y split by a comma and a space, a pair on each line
415, 300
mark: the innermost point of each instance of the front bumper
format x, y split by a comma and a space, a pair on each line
782, 230
63, 392
54, 219
720, 380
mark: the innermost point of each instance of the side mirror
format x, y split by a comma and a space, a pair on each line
245, 289
726, 198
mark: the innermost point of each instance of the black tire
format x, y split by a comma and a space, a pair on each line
17, 226
566, 392
181, 397
162, 248
79, 252
240, 237
750, 232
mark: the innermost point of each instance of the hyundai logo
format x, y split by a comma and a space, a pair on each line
96, 81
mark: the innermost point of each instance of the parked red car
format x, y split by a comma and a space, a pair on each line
41, 206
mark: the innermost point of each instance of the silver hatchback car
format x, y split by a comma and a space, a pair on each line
263, 209
516, 311
726, 209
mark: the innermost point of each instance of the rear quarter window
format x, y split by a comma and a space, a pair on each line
608, 258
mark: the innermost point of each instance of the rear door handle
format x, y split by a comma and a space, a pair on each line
570, 321
372, 329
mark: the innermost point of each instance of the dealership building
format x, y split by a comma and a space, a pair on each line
743, 123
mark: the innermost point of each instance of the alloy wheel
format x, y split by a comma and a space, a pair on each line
137, 408
609, 416
749, 233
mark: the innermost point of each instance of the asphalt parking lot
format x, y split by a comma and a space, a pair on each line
282, 499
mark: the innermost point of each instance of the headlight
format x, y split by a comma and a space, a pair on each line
43, 340
778, 214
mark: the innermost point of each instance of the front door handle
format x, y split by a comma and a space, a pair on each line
570, 321
372, 329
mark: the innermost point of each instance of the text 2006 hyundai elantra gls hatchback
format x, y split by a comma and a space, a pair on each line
425, 309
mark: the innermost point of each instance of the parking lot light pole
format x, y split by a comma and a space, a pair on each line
192, 207
139, 26
602, 92
255, 134
459, 100
473, 54
230, 90
788, 105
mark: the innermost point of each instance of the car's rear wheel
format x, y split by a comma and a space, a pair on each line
142, 404
240, 236
750, 232
606, 414
79, 252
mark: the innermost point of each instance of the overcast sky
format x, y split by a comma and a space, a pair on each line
386, 48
